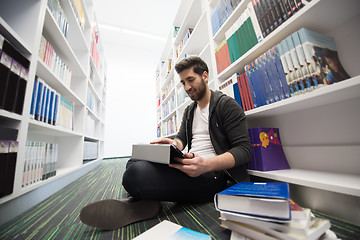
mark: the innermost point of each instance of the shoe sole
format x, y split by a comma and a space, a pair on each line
113, 214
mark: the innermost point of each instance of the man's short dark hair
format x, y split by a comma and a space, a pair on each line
199, 65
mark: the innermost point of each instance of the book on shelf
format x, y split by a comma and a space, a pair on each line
8, 156
40, 162
268, 154
266, 200
169, 230
158, 153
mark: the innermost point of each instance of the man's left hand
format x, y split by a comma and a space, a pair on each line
193, 165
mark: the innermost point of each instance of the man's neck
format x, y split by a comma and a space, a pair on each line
205, 100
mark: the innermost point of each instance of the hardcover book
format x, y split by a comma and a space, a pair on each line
267, 200
268, 153
158, 153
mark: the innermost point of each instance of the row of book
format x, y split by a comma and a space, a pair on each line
182, 43
303, 61
90, 150
79, 12
168, 127
94, 48
59, 16
57, 66
90, 125
91, 101
268, 153
168, 107
40, 162
264, 210
221, 12
14, 72
50, 107
8, 156
259, 19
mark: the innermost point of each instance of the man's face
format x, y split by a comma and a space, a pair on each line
194, 85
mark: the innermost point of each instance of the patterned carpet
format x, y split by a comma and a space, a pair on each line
57, 217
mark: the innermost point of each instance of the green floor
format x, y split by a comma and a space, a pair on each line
57, 217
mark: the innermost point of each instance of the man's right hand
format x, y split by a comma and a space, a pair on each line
175, 142
164, 141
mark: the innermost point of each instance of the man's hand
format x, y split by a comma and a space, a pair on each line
175, 142
193, 165
164, 141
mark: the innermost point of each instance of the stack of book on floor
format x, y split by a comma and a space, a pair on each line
265, 211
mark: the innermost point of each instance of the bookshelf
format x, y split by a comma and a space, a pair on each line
319, 129
22, 23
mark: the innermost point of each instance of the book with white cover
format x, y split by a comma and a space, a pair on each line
159, 153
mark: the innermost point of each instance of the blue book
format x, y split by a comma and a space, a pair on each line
257, 85
51, 107
39, 99
251, 86
33, 98
259, 199
237, 94
281, 72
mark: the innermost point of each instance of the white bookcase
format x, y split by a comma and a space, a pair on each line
22, 23
319, 129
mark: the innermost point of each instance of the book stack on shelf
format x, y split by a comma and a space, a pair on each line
260, 210
50, 107
14, 70
40, 162
302, 62
268, 154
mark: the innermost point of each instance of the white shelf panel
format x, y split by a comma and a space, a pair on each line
333, 182
334, 93
14, 38
10, 115
50, 130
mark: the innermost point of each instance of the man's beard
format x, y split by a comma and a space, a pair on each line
199, 92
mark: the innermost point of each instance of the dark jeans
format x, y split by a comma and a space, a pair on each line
154, 181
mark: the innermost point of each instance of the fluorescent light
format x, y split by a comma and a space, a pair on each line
133, 32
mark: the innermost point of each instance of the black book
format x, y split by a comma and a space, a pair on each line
5, 64
11, 86
4, 151
10, 167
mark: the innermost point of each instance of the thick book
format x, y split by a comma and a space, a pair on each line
267, 200
298, 225
318, 227
158, 153
168, 230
